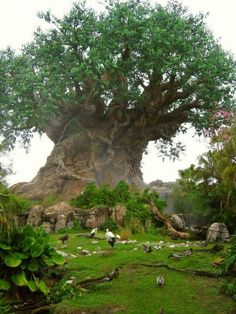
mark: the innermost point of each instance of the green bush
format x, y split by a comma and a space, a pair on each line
136, 202
109, 224
13, 203
4, 306
25, 258
230, 262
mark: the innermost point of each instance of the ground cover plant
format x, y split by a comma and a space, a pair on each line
26, 259
135, 291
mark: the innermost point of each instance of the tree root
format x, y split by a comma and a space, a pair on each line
189, 271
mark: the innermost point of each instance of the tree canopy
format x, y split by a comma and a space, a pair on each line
160, 65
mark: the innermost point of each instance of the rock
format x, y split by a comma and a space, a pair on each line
91, 218
217, 231
164, 189
177, 222
117, 213
48, 226
97, 216
58, 214
35, 217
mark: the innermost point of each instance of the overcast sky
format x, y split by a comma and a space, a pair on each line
18, 21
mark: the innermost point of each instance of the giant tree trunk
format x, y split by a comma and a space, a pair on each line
83, 157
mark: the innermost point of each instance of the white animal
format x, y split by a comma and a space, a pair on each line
93, 233
160, 280
118, 236
111, 238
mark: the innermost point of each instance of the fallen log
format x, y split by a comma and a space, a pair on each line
190, 271
105, 278
171, 230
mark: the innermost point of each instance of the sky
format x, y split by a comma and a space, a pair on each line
18, 21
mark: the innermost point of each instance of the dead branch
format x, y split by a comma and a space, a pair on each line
190, 271
106, 278
172, 232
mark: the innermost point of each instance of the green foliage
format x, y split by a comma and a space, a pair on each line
123, 55
25, 259
49, 200
209, 189
62, 290
137, 203
109, 224
12, 203
230, 259
229, 263
105, 195
4, 306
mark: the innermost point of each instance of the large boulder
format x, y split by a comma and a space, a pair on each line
177, 222
217, 231
58, 214
117, 213
35, 217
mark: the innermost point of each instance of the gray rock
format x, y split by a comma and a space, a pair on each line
217, 231
35, 217
178, 223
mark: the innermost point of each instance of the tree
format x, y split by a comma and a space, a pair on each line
210, 188
101, 86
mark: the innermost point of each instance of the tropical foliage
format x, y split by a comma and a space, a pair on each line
210, 187
25, 258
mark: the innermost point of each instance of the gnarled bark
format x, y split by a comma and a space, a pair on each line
84, 157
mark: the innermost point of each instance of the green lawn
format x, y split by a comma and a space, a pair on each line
135, 290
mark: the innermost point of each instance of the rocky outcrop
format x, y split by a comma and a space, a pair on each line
63, 215
35, 217
164, 189
217, 231
177, 222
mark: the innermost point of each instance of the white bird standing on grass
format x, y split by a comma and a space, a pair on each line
111, 238
93, 233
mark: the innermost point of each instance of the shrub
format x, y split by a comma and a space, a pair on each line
109, 224
230, 262
13, 203
4, 306
136, 202
25, 258
125, 233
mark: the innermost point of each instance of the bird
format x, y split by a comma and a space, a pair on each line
162, 311
160, 281
147, 248
64, 238
188, 252
93, 233
118, 236
111, 238
175, 256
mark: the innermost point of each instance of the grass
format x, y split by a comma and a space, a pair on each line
135, 290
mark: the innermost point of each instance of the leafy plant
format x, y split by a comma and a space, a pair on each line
4, 306
25, 258
229, 263
12, 203
109, 224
